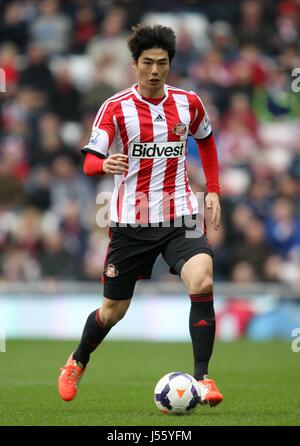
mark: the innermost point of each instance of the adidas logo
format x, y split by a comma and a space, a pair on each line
201, 323
159, 118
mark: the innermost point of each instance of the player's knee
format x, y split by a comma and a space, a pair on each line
201, 285
111, 317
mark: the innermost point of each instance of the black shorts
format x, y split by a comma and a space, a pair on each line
132, 252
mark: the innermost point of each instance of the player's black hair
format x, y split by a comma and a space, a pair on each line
145, 37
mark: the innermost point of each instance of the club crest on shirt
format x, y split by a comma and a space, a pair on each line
111, 270
179, 129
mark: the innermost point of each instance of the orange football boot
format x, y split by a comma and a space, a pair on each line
69, 379
210, 393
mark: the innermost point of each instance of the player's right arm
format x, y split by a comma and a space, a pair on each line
115, 164
97, 160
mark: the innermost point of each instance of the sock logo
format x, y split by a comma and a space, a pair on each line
201, 323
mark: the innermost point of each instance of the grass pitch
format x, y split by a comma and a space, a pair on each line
260, 383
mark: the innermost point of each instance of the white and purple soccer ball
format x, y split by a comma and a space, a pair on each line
177, 392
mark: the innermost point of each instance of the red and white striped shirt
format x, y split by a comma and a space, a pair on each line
154, 137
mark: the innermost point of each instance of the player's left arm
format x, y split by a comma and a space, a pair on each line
212, 202
201, 129
209, 159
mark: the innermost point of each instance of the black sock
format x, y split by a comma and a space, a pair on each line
202, 330
93, 334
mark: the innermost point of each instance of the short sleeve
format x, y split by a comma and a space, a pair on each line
103, 131
200, 126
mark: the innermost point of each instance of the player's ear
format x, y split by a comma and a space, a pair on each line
134, 63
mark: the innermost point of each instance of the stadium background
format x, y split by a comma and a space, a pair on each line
61, 60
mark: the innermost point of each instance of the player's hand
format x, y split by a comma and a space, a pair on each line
212, 201
116, 164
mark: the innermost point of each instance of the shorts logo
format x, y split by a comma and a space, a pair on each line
179, 129
173, 149
111, 271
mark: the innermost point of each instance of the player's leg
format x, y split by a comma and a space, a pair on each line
127, 259
197, 275
97, 326
190, 256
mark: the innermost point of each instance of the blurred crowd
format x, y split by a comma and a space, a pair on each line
62, 59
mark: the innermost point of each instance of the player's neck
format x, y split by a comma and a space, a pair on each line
151, 93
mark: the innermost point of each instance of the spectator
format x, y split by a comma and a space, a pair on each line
108, 49
93, 262
51, 29
70, 185
252, 27
37, 74
283, 227
56, 262
84, 28
253, 248
243, 272
13, 26
66, 98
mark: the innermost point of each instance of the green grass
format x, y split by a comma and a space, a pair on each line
260, 382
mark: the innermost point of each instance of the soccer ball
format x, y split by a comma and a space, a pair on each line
177, 392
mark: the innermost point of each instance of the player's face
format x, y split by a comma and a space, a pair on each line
152, 69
